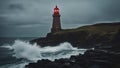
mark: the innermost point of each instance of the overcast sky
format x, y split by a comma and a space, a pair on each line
33, 18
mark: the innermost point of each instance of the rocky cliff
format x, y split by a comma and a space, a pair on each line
102, 35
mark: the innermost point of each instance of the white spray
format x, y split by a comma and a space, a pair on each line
33, 52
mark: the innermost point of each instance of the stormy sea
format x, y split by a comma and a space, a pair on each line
18, 52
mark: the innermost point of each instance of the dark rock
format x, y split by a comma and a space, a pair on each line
91, 59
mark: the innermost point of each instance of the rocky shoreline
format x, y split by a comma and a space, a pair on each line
91, 59
104, 37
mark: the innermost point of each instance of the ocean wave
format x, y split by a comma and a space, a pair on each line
33, 52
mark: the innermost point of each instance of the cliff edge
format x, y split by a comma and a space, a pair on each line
104, 35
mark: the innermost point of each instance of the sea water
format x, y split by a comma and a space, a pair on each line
20, 53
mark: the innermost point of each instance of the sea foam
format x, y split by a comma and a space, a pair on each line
34, 52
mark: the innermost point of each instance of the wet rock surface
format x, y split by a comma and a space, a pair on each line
91, 59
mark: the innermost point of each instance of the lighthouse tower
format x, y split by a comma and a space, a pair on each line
56, 26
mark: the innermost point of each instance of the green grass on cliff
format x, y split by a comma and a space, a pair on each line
102, 28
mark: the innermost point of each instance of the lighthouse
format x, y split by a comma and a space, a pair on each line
56, 26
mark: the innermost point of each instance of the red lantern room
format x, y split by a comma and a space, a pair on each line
56, 10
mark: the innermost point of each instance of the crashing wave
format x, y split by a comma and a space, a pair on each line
23, 49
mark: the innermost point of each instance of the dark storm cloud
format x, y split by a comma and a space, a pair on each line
89, 11
34, 17
15, 7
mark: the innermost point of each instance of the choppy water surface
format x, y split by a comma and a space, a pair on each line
20, 53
